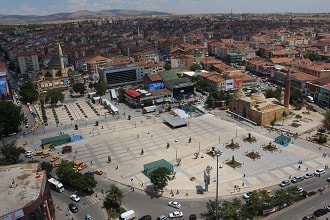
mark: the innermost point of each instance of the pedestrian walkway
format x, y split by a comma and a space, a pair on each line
123, 140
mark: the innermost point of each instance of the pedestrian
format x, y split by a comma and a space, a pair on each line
244, 175
177, 191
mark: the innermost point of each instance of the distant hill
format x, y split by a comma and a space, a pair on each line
78, 15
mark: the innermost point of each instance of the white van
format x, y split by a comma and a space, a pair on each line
129, 215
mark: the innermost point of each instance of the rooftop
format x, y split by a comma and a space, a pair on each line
20, 185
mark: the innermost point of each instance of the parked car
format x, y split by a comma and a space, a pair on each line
285, 183
320, 212
88, 217
145, 217
309, 175
161, 217
328, 179
174, 204
310, 216
90, 173
75, 197
319, 172
176, 214
54, 158
98, 171
328, 208
73, 208
297, 179
300, 190
28, 154
247, 195
26, 132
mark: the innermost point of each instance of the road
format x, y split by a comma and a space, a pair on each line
148, 204
299, 210
88, 204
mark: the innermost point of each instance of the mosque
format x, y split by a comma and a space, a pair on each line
260, 110
56, 75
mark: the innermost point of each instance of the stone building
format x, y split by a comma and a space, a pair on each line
257, 108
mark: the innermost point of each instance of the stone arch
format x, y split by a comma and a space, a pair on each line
58, 74
48, 74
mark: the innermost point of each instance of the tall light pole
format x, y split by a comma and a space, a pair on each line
217, 188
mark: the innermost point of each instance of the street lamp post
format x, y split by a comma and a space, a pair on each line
217, 188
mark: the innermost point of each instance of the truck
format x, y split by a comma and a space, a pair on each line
129, 215
149, 109
56, 185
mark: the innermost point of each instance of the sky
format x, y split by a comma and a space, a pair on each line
46, 7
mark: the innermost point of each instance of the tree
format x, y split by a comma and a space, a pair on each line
274, 93
48, 167
195, 66
229, 209
11, 153
296, 98
121, 95
312, 56
327, 118
167, 66
11, 118
77, 180
79, 88
147, 102
28, 92
211, 210
53, 96
101, 88
91, 85
113, 197
159, 177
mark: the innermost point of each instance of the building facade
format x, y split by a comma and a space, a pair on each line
122, 75
28, 61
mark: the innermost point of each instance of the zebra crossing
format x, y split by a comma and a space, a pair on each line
85, 201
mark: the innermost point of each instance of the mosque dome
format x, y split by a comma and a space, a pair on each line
259, 97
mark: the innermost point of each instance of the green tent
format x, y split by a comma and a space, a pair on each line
283, 140
54, 141
150, 167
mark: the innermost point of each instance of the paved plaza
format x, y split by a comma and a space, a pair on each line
123, 140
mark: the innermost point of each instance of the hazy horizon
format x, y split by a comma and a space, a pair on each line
46, 7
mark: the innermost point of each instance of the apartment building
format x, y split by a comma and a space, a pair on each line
28, 62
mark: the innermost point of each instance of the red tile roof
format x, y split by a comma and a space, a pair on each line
133, 93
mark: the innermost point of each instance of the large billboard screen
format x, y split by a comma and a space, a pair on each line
155, 86
3, 89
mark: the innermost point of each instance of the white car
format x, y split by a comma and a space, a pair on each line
319, 172
309, 175
28, 154
285, 183
174, 204
176, 214
75, 198
247, 195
